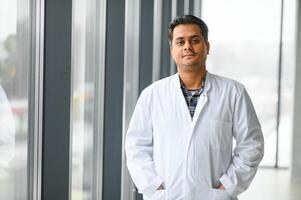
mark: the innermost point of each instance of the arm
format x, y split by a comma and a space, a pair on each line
139, 149
249, 147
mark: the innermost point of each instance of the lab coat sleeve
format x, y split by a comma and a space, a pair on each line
139, 148
249, 148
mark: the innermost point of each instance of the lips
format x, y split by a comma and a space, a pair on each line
189, 55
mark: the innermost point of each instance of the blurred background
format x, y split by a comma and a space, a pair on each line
72, 70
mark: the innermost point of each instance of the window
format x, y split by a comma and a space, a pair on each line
87, 102
244, 40
16, 61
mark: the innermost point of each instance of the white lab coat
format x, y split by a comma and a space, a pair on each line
190, 157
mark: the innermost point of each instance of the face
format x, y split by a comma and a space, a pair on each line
189, 49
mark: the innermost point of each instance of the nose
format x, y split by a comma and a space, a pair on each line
188, 46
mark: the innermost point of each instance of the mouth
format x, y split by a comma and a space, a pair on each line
189, 55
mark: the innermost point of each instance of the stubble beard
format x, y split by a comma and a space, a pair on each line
193, 67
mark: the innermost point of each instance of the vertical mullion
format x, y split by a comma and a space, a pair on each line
145, 65
157, 38
99, 100
197, 8
279, 85
35, 103
56, 101
131, 84
113, 100
180, 7
146, 44
191, 2
89, 79
186, 7
296, 159
165, 66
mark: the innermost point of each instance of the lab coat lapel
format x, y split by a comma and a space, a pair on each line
181, 100
202, 101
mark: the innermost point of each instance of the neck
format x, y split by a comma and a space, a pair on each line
192, 79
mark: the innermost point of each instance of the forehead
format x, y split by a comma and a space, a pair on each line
186, 30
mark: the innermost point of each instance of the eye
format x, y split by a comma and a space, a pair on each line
195, 40
180, 42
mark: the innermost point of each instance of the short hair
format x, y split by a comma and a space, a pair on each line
188, 19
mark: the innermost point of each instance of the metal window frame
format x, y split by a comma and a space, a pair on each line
56, 100
99, 101
157, 28
130, 84
295, 174
34, 142
197, 8
166, 64
146, 43
113, 100
278, 115
191, 7
188, 6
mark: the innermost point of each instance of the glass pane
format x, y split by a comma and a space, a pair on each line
244, 38
15, 62
84, 62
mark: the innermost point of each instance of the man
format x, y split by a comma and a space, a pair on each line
179, 141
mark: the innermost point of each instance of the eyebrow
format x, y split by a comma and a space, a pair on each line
193, 36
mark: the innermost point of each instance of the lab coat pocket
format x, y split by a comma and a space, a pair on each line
220, 134
218, 194
159, 195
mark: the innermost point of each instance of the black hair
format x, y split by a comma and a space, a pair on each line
187, 19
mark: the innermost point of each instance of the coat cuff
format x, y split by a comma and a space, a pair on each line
232, 190
150, 189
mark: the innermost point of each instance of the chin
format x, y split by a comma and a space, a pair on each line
190, 67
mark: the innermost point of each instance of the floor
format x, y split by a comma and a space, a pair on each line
272, 184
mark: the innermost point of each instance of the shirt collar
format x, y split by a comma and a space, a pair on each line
196, 90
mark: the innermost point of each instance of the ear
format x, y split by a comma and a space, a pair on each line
170, 50
208, 46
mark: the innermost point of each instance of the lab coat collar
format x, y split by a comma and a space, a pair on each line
201, 103
207, 87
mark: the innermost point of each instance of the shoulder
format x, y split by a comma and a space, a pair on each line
158, 86
226, 84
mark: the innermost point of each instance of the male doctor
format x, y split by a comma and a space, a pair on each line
179, 141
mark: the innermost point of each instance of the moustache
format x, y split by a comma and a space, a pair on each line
190, 54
